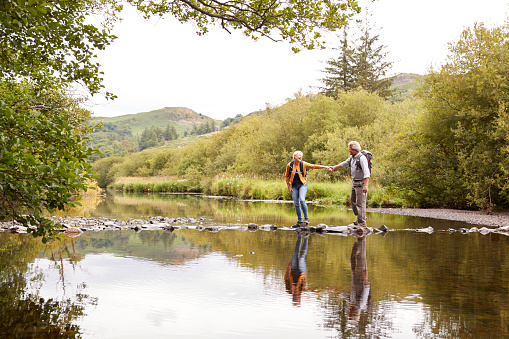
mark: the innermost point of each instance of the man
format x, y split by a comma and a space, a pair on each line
360, 178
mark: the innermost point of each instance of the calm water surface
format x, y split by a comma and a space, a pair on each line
234, 284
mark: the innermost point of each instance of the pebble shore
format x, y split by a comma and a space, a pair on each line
496, 219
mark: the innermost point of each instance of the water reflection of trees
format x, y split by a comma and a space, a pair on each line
162, 246
23, 312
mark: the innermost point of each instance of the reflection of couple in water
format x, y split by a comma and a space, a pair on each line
360, 291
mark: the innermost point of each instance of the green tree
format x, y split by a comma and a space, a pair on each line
42, 40
459, 144
340, 71
43, 153
361, 63
173, 132
371, 64
167, 133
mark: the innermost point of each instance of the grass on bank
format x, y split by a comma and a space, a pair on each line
256, 188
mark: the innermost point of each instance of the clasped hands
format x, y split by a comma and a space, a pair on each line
330, 168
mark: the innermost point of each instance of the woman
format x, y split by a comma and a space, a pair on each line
297, 184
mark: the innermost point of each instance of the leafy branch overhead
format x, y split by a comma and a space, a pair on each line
299, 22
52, 39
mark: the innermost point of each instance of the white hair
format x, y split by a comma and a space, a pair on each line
354, 145
297, 153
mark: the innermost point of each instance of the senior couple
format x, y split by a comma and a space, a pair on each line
360, 172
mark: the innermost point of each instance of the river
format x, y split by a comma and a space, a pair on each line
263, 284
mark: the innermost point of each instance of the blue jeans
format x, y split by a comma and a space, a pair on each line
299, 255
299, 200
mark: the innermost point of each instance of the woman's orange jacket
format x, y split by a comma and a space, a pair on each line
290, 172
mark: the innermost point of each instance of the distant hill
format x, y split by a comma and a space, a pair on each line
134, 132
404, 84
181, 117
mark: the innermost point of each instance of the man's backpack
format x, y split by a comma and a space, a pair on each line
368, 156
301, 167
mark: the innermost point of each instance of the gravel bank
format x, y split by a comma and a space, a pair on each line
499, 218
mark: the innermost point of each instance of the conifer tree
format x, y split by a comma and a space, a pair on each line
173, 132
363, 65
340, 71
168, 135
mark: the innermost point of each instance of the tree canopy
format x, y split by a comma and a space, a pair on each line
42, 159
459, 143
301, 23
53, 40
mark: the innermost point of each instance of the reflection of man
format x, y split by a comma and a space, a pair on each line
360, 292
295, 276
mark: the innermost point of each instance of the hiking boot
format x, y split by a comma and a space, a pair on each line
355, 222
299, 224
306, 221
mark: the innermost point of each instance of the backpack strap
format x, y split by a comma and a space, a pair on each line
358, 163
301, 167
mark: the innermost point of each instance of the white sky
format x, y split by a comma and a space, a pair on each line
162, 63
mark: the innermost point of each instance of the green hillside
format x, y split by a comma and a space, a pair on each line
403, 85
159, 128
181, 117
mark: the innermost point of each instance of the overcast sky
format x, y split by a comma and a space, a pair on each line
163, 63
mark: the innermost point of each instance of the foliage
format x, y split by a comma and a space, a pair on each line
42, 159
299, 23
230, 121
262, 145
362, 63
103, 169
340, 71
203, 128
151, 137
238, 161
26, 313
42, 40
459, 144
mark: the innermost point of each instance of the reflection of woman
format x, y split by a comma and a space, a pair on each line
297, 185
295, 276
360, 292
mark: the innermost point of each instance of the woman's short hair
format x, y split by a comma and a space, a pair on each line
297, 153
355, 146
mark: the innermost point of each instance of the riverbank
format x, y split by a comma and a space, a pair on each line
498, 218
